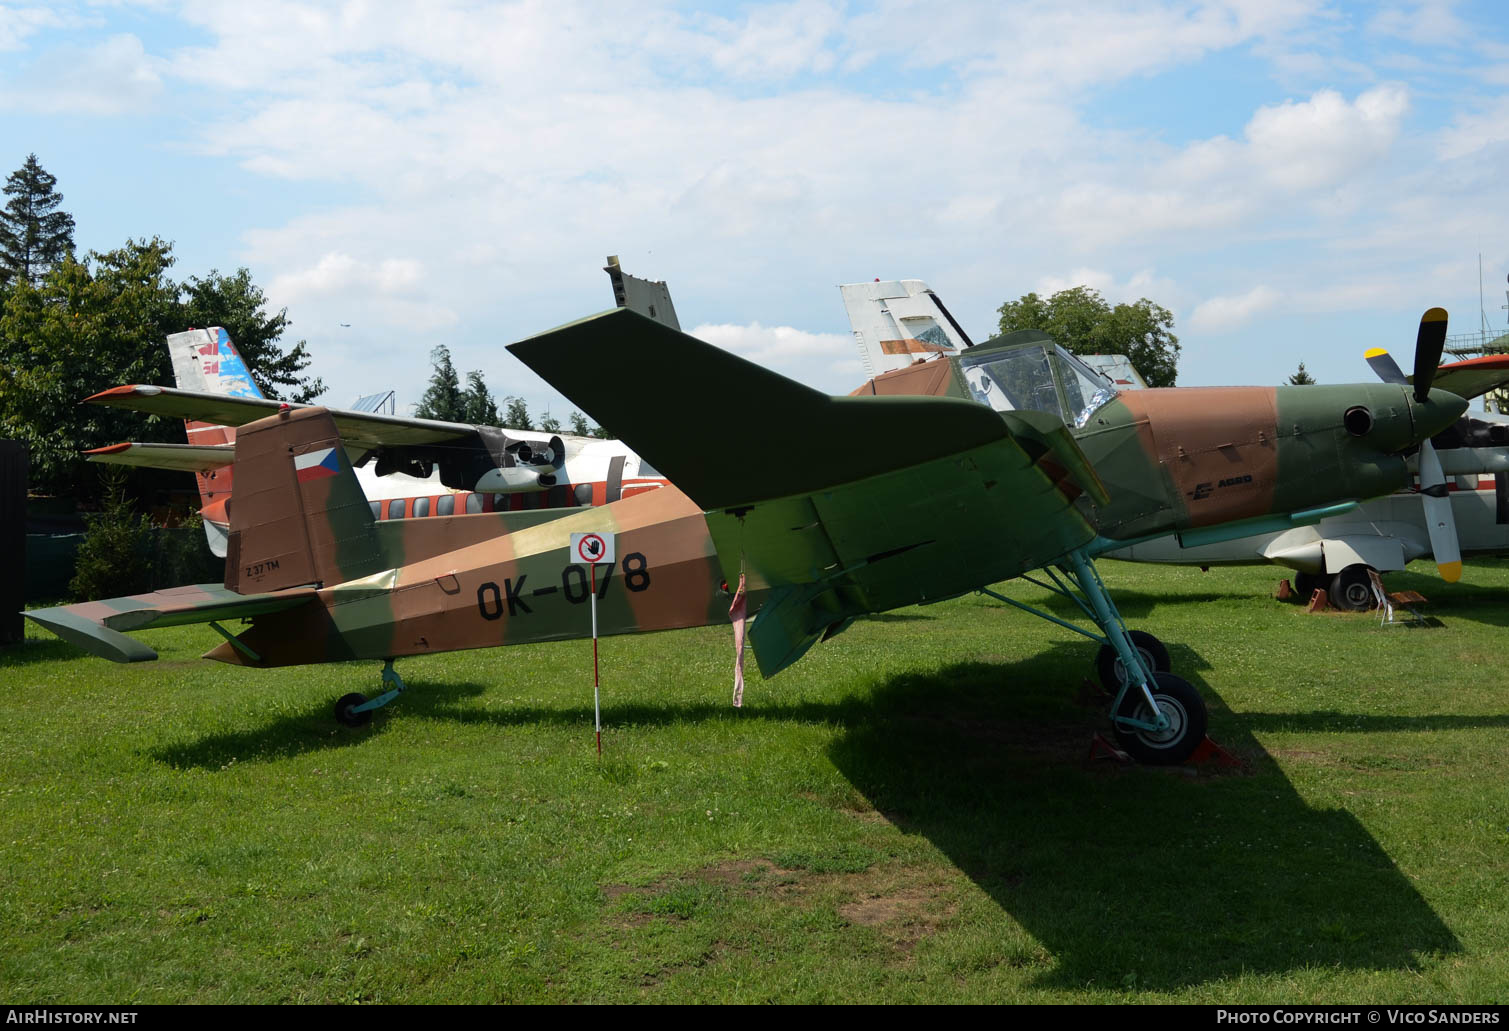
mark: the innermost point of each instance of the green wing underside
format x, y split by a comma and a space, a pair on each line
96, 626
925, 533
834, 507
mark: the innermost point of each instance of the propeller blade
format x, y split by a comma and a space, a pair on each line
1428, 347
1384, 365
1439, 520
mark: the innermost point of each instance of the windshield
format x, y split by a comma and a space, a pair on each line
1036, 377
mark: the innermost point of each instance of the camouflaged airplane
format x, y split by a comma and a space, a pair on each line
986, 463
898, 323
1018, 458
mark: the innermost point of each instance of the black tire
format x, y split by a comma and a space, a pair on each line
1111, 670
1185, 709
1352, 589
1306, 584
344, 714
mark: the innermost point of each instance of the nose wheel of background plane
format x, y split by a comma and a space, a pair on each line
1113, 672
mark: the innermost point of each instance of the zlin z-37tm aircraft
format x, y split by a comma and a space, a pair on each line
1020, 459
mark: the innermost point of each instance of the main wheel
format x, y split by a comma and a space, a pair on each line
1185, 710
1113, 672
1352, 589
346, 704
1306, 584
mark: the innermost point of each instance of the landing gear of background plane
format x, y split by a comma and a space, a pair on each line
1306, 584
354, 710
1157, 718
1352, 589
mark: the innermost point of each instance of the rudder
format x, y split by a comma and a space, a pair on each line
299, 516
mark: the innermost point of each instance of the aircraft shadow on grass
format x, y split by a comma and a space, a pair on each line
1129, 876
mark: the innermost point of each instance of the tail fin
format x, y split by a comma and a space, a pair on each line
898, 322
206, 360
299, 516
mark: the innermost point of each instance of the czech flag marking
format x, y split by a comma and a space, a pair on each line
316, 465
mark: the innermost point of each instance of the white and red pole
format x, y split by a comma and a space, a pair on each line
592, 548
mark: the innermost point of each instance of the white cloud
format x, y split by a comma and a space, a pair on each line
1320, 142
1222, 314
19, 23
116, 76
1471, 133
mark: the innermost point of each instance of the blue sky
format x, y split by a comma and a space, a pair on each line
1295, 180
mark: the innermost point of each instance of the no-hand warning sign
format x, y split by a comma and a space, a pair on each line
592, 548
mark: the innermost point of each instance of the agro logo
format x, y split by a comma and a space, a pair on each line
1204, 490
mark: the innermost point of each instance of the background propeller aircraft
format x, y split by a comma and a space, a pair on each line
1021, 459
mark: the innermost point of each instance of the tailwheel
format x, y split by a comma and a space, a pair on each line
344, 713
1113, 672
1183, 708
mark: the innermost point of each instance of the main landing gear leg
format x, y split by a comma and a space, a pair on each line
1157, 718
354, 710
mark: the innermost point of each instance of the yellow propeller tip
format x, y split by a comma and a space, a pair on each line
1375, 352
1451, 572
1434, 315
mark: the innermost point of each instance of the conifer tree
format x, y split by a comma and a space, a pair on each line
34, 234
477, 401
443, 399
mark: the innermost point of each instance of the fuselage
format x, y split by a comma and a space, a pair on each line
1182, 458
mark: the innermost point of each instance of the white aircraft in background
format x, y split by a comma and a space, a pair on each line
1462, 508
407, 467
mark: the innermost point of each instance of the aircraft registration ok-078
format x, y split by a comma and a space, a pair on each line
1020, 459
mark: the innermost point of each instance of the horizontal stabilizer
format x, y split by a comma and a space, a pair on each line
192, 458
730, 432
96, 626
361, 428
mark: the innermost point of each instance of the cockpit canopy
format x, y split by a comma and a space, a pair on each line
1027, 371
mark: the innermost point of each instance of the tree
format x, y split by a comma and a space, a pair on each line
443, 399
579, 425
477, 403
549, 424
34, 234
89, 325
517, 415
238, 304
1082, 321
84, 327
1301, 378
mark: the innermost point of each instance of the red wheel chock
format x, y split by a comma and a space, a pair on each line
1102, 748
1210, 752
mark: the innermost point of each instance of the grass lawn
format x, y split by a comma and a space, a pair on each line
906, 815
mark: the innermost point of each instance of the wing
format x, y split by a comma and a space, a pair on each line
193, 458
365, 429
96, 626
834, 507
1474, 377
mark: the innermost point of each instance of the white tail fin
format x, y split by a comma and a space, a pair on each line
207, 361
897, 322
